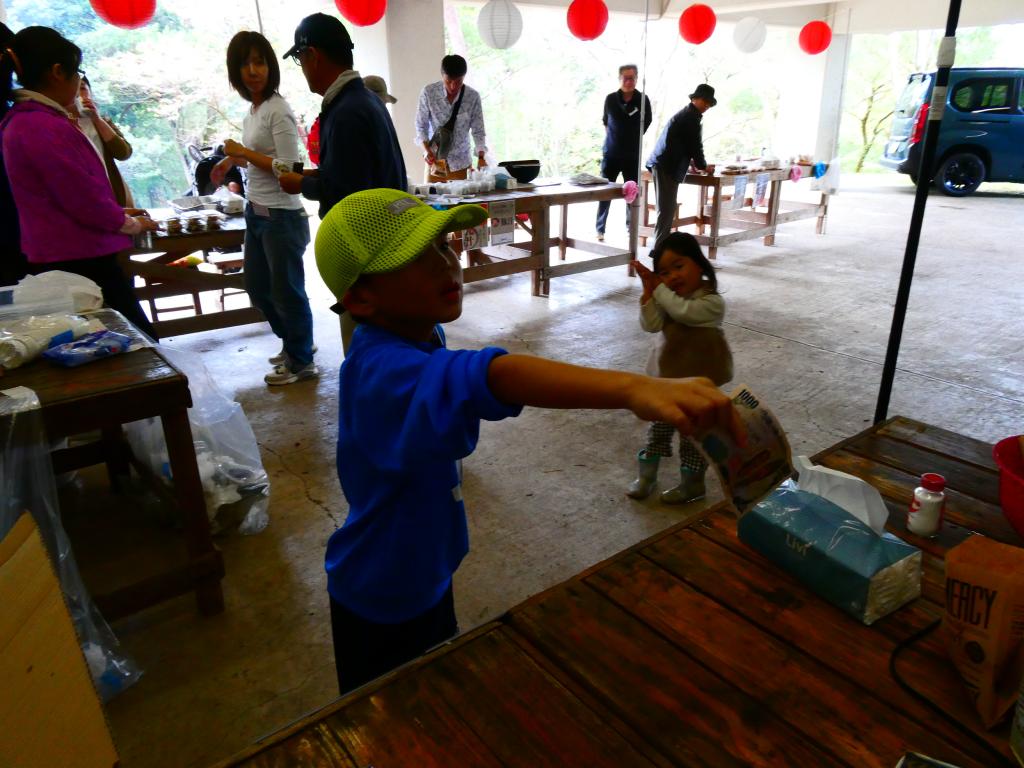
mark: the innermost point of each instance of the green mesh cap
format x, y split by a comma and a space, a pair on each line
381, 230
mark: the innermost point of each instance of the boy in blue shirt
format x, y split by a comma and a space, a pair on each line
410, 409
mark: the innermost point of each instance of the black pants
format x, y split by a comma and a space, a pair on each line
364, 650
108, 275
666, 190
611, 167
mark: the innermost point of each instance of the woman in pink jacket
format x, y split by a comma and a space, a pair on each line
67, 212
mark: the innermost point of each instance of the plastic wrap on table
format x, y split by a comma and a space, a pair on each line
27, 485
833, 553
227, 454
88, 348
23, 339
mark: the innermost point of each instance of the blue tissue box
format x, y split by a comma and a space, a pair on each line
833, 553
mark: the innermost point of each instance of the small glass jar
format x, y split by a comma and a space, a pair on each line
173, 226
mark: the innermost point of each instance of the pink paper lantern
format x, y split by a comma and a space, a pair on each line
362, 13
697, 23
127, 14
587, 19
815, 37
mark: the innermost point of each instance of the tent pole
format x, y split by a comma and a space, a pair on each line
944, 63
259, 16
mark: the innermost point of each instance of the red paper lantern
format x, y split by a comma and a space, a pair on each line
815, 37
697, 23
362, 13
587, 18
127, 14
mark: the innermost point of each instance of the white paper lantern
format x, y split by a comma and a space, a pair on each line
749, 34
500, 23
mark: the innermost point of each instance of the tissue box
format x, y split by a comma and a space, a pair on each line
835, 554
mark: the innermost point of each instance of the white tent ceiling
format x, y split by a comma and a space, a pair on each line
863, 15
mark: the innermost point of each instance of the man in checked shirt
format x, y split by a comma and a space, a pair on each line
436, 104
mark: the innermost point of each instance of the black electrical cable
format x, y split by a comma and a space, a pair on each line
902, 646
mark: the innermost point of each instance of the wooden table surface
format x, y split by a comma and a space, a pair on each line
535, 255
150, 261
102, 396
687, 649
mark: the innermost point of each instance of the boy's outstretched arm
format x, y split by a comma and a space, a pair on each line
692, 405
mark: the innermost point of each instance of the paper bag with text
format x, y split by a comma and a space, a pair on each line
984, 622
749, 473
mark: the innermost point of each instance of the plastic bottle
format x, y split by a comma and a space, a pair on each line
928, 506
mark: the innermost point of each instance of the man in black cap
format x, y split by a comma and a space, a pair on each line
621, 151
679, 146
358, 144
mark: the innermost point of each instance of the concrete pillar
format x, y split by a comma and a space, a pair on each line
830, 113
415, 47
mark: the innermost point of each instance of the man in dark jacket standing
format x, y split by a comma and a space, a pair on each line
679, 146
358, 144
621, 151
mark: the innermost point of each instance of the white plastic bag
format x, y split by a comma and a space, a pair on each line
829, 181
83, 293
227, 454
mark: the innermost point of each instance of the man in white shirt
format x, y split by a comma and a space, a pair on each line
437, 103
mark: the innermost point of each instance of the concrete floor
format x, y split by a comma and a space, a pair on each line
807, 321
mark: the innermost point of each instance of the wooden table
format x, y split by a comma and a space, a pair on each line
150, 260
534, 255
103, 395
687, 649
747, 223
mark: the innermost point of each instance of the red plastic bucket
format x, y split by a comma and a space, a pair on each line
1007, 454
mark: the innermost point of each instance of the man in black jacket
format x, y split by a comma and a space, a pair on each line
621, 151
358, 145
679, 146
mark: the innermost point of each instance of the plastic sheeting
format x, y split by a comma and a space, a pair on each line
27, 485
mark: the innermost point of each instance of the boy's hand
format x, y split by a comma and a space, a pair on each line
693, 406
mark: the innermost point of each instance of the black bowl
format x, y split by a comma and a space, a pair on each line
523, 171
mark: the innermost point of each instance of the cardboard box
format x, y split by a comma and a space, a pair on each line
49, 708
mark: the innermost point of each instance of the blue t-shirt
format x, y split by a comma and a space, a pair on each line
407, 412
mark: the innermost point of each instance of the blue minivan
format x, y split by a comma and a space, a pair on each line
981, 137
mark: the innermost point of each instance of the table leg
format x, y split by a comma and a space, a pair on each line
702, 201
773, 211
541, 232
563, 232
116, 454
634, 237
189, 492
716, 214
822, 214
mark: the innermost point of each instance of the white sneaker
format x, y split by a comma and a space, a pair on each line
284, 375
281, 358
600, 237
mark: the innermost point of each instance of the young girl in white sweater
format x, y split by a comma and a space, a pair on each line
681, 302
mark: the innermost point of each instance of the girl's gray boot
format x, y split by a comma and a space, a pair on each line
690, 488
647, 476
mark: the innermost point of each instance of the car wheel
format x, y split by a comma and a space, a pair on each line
961, 174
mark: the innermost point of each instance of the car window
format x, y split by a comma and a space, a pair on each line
913, 95
986, 96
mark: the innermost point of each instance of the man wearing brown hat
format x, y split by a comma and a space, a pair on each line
679, 147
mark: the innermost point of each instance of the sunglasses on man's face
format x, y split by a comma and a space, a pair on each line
297, 56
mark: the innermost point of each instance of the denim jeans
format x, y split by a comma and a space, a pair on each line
611, 168
275, 279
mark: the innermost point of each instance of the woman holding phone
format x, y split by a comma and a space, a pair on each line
277, 231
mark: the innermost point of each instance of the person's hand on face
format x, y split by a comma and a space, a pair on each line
88, 106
